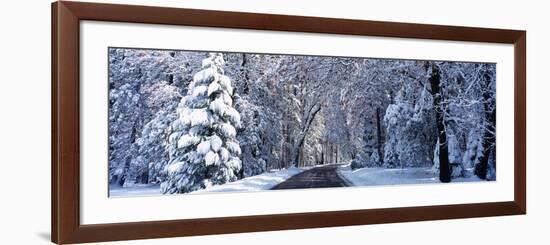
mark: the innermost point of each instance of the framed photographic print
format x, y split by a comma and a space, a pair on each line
177, 122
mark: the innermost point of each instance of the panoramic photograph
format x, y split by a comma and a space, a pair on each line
199, 122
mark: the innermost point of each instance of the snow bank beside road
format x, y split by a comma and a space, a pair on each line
393, 176
260, 182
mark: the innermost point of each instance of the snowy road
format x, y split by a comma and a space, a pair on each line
319, 177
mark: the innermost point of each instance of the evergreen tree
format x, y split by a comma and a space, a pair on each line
203, 147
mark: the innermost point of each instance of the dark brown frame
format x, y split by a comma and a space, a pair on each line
65, 181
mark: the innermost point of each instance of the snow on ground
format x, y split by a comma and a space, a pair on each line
260, 182
137, 190
263, 181
266, 181
393, 176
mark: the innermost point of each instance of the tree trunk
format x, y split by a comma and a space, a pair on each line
323, 146
296, 150
245, 73
241, 173
286, 141
302, 157
488, 137
488, 142
337, 160
329, 153
335, 153
143, 178
379, 135
444, 167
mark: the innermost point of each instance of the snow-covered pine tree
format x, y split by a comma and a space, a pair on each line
203, 147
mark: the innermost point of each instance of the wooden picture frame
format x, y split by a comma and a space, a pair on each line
65, 170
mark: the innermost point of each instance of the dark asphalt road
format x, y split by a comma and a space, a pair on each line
319, 177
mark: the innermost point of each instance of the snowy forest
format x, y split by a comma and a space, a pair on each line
197, 122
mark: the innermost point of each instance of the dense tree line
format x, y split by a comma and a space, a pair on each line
258, 112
